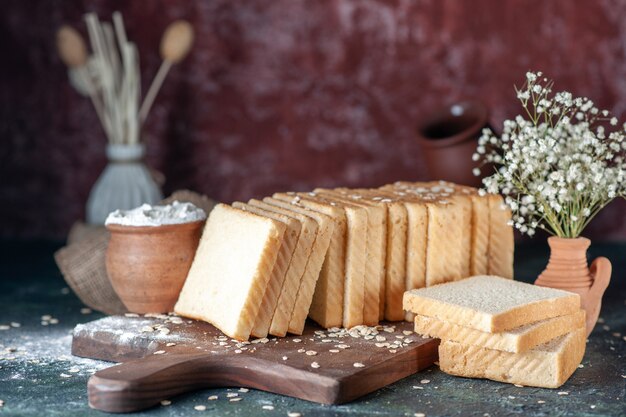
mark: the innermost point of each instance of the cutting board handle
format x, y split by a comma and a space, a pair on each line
143, 383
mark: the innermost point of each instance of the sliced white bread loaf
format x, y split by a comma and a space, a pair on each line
304, 296
327, 304
375, 252
293, 277
516, 340
491, 304
223, 287
547, 366
281, 268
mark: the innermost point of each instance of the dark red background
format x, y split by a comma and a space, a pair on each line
287, 94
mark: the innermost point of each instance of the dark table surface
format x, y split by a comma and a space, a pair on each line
39, 377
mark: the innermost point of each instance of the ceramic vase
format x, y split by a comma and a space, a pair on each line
448, 138
148, 265
568, 270
124, 184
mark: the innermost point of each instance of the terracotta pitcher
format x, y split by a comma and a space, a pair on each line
567, 270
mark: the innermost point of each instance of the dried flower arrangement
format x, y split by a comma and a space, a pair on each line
559, 166
110, 77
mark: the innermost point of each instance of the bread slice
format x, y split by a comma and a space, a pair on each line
281, 268
491, 304
223, 287
356, 257
501, 243
304, 296
375, 251
517, 340
327, 304
293, 277
546, 366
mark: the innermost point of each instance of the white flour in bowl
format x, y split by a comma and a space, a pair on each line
147, 215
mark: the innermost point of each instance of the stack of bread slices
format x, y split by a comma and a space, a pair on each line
502, 330
342, 257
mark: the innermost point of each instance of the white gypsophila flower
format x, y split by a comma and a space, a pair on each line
558, 167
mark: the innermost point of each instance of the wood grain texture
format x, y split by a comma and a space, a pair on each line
199, 361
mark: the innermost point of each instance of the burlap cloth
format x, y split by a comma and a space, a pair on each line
82, 261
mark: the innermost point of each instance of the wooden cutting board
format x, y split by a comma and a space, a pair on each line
163, 356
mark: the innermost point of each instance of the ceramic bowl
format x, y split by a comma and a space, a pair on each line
148, 265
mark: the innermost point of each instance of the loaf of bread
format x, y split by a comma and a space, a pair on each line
491, 304
346, 257
548, 365
223, 287
517, 340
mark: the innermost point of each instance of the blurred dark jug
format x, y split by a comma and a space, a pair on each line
448, 138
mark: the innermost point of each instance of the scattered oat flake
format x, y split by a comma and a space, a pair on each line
417, 387
200, 407
616, 334
581, 366
293, 414
334, 350
46, 317
1, 403
358, 365
232, 395
511, 397
541, 402
15, 324
315, 365
311, 352
563, 393
407, 332
147, 329
392, 351
233, 400
159, 352
213, 397
519, 386
243, 390
54, 321
170, 344
85, 310
268, 407
4, 327
73, 370
165, 402
425, 381
65, 376
285, 358
606, 328
419, 415
297, 340
237, 350
592, 406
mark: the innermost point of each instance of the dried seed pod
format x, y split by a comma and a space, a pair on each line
71, 46
176, 41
